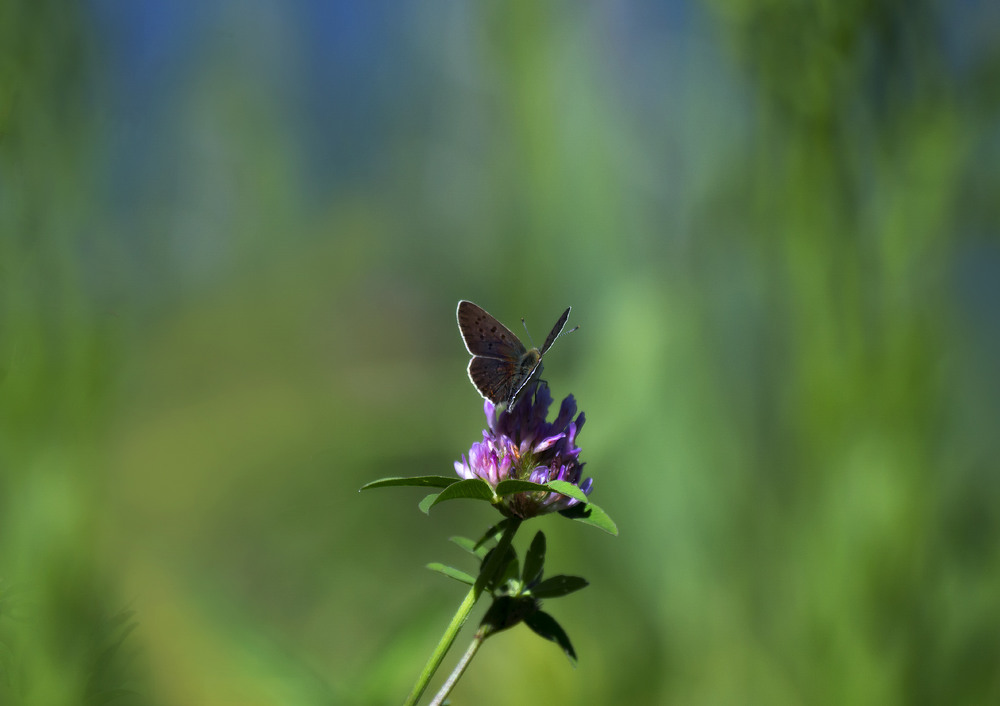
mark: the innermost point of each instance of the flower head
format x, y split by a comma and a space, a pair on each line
519, 444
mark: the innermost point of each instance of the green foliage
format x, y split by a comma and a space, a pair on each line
534, 560
478, 489
470, 489
517, 594
558, 586
591, 514
506, 574
417, 482
469, 546
452, 573
492, 534
544, 625
561, 486
509, 487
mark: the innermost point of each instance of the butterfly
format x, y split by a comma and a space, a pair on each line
501, 366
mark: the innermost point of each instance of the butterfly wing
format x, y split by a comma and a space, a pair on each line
521, 384
556, 330
485, 336
495, 379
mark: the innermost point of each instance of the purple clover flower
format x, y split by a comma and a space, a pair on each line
518, 444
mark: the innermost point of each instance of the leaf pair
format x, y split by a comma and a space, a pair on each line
517, 593
478, 489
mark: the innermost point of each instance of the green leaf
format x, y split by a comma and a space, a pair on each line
591, 514
534, 560
503, 569
545, 625
509, 487
511, 573
506, 612
472, 489
416, 481
451, 573
559, 586
468, 545
493, 533
567, 488
427, 502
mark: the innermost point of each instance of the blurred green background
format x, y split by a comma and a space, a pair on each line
232, 239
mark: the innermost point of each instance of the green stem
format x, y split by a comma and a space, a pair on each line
462, 614
459, 670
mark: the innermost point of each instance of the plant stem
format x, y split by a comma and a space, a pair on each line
462, 614
459, 670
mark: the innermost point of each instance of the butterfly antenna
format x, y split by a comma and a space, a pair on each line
527, 332
563, 333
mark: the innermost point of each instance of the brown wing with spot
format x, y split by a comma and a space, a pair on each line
495, 379
485, 336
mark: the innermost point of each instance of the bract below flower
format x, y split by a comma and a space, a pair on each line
520, 444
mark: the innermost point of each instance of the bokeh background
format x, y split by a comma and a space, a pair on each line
232, 238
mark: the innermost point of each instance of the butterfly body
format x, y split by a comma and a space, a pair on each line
501, 365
